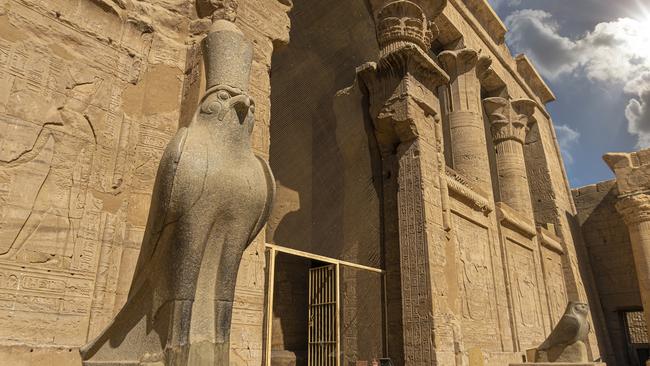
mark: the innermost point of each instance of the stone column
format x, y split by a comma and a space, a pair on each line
509, 122
633, 182
635, 210
405, 110
469, 149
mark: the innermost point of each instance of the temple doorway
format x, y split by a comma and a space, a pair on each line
321, 311
636, 335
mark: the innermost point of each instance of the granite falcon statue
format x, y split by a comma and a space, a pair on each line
211, 198
566, 341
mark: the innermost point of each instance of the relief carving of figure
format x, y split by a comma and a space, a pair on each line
211, 198
45, 183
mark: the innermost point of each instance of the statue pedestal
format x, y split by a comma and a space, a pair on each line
559, 364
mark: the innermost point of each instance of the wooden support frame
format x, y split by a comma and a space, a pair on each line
273, 250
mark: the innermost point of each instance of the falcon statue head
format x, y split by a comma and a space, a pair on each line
579, 308
228, 57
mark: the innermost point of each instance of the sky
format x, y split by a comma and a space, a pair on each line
595, 56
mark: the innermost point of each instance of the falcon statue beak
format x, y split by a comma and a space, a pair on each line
241, 104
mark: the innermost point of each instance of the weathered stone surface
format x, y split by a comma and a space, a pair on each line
39, 356
405, 113
79, 153
633, 205
211, 198
91, 94
566, 343
93, 90
465, 116
608, 242
509, 123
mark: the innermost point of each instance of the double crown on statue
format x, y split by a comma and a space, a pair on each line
230, 68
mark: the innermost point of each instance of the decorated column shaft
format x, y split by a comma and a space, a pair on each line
465, 114
635, 210
633, 181
404, 108
509, 121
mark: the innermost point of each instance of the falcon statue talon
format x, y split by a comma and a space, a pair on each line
211, 198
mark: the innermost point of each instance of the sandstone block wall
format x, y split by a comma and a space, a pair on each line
608, 244
90, 93
92, 90
490, 274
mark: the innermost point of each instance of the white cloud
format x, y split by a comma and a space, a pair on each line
616, 53
535, 33
637, 113
567, 138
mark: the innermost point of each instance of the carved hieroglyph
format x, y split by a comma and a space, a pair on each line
525, 289
405, 111
212, 196
479, 319
66, 132
555, 287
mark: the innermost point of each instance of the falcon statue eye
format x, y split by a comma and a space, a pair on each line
223, 95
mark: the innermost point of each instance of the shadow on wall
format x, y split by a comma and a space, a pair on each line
321, 152
327, 169
608, 245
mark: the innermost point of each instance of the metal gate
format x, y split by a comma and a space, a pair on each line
323, 310
324, 325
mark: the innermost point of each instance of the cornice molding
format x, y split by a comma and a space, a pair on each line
509, 217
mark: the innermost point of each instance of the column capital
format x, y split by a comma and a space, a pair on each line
401, 23
509, 119
403, 84
462, 61
632, 171
634, 208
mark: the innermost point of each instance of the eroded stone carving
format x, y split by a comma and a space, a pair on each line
509, 124
457, 183
211, 197
217, 9
566, 343
633, 204
469, 150
405, 111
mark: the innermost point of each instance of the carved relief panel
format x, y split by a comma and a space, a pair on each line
524, 287
476, 284
555, 287
73, 161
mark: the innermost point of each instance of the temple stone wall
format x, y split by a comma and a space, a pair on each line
563, 272
608, 243
90, 93
92, 90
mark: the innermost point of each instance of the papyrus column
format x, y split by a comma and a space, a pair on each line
468, 145
635, 210
633, 182
405, 111
509, 122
